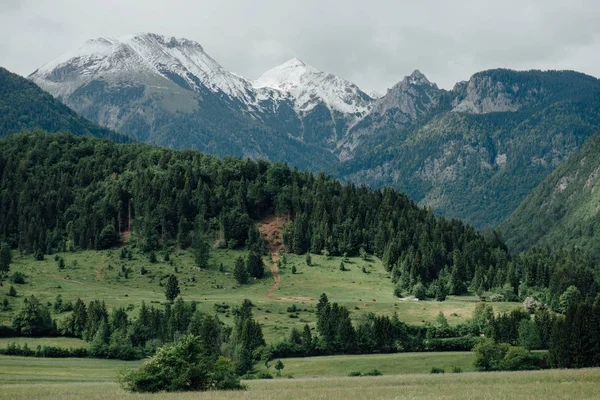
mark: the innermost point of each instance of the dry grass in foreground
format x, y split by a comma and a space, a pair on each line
555, 384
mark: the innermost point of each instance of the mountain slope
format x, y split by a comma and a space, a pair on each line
327, 104
564, 210
168, 91
477, 150
24, 106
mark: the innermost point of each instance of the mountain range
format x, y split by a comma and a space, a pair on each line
472, 152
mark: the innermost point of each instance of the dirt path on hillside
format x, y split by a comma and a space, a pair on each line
99, 273
271, 229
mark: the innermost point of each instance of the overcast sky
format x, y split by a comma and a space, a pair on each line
373, 43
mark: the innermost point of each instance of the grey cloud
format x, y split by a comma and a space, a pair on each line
372, 43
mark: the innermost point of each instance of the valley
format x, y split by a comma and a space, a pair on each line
172, 229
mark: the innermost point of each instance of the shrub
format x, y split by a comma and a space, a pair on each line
38, 255
436, 370
264, 375
373, 372
183, 367
519, 359
489, 354
457, 370
18, 278
419, 291
355, 373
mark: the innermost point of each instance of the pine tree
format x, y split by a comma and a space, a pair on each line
240, 273
306, 339
255, 265
5, 258
172, 289
201, 250
279, 366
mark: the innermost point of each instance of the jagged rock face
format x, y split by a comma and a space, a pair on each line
404, 103
476, 151
483, 94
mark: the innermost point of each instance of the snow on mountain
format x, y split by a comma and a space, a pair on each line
309, 86
139, 55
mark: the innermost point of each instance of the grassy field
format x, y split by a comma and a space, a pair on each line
99, 275
387, 364
32, 343
39, 370
28, 378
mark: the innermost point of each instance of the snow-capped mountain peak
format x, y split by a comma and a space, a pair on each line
140, 54
310, 86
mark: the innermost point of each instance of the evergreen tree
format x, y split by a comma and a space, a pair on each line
172, 288
33, 319
201, 250
5, 258
240, 273
279, 366
255, 265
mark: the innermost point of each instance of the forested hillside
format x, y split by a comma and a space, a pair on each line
564, 209
62, 192
23, 105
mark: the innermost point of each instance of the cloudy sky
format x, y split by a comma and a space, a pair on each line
373, 43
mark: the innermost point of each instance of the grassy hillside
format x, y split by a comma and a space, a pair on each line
99, 275
564, 209
25, 106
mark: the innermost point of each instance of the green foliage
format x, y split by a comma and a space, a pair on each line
24, 106
172, 288
12, 292
419, 291
560, 212
131, 186
436, 370
240, 273
279, 366
529, 335
201, 250
38, 255
182, 366
489, 354
294, 269
255, 265
18, 278
308, 259
108, 238
5, 258
33, 319
569, 298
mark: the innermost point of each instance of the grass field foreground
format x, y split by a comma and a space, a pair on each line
551, 384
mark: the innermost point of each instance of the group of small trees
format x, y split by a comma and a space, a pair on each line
252, 267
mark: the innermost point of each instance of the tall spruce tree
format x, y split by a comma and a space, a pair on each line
240, 273
172, 288
5, 258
